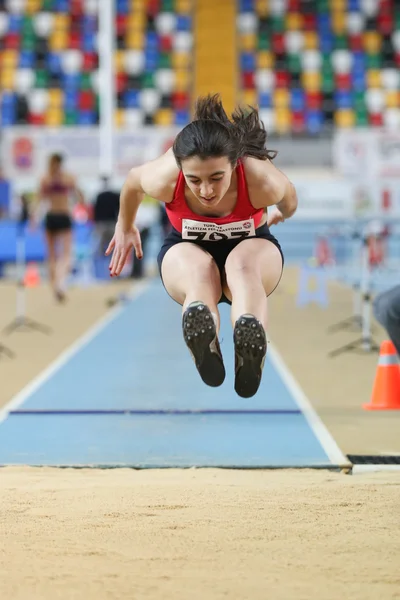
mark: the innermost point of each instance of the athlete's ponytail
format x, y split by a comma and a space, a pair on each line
213, 134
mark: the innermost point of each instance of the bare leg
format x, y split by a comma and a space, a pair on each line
52, 259
192, 278
64, 262
253, 270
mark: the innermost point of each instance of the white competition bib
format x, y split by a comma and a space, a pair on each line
211, 232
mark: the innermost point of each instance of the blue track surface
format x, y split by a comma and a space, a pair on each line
132, 397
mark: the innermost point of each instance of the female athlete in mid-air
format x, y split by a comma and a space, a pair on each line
217, 182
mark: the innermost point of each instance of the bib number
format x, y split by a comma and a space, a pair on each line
211, 232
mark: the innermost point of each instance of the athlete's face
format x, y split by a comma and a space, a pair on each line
209, 179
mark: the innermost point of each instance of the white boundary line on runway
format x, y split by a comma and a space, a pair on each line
326, 440
69, 352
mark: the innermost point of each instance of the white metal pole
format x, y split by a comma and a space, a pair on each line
106, 46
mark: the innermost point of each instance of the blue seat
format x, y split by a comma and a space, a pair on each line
343, 99
88, 42
122, 7
71, 99
26, 59
54, 63
359, 81
152, 40
327, 42
14, 23
297, 100
62, 6
265, 100
130, 99
314, 121
183, 23
87, 117
353, 6
247, 62
71, 81
182, 117
246, 6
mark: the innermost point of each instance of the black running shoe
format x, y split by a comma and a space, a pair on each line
200, 335
250, 350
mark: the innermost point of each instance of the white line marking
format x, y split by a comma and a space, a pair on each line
360, 469
320, 431
69, 352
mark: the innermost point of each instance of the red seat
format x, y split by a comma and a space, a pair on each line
180, 100
248, 80
121, 82
278, 43
166, 43
356, 42
89, 61
282, 79
343, 81
87, 100
12, 41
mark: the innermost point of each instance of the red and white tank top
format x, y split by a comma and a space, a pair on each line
240, 223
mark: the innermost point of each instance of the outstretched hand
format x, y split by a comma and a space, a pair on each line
121, 246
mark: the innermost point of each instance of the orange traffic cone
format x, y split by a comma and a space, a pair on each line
386, 390
32, 276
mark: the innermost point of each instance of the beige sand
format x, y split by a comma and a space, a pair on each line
198, 534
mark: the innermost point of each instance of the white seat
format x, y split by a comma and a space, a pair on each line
264, 80
24, 80
134, 62
374, 100
391, 119
91, 7
294, 41
247, 22
149, 100
390, 79
182, 41
396, 40
267, 116
15, 7
43, 23
342, 61
311, 60
3, 23
71, 61
38, 101
165, 23
133, 117
165, 80
369, 7
277, 7
355, 22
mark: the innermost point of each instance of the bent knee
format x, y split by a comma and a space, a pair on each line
239, 263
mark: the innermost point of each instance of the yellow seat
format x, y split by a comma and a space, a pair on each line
372, 42
183, 7
33, 6
311, 81
283, 120
119, 118
262, 8
281, 98
374, 78
61, 22
344, 117
10, 59
7, 79
311, 40
338, 20
58, 41
338, 5
56, 97
294, 21
138, 5
164, 116
392, 99
54, 117
265, 59
134, 40
181, 60
183, 80
119, 64
250, 97
248, 41
135, 21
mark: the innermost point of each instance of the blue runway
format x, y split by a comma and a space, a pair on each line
128, 394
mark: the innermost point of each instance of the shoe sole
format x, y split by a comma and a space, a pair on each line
250, 350
200, 335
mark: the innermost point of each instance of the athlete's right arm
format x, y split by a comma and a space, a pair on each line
140, 180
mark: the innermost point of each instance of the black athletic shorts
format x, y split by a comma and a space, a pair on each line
57, 222
218, 250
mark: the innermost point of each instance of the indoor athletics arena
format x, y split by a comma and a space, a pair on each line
123, 475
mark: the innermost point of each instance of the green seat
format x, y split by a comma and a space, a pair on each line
167, 6
341, 42
28, 41
41, 79
373, 61
294, 63
264, 42
85, 81
48, 5
278, 24
328, 83
323, 6
359, 101
164, 61
147, 80
27, 28
361, 118
70, 117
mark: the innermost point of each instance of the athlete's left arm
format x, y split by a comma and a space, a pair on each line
271, 187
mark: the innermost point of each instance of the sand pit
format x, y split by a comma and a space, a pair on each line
203, 534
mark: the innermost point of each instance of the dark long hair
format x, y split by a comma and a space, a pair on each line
213, 134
